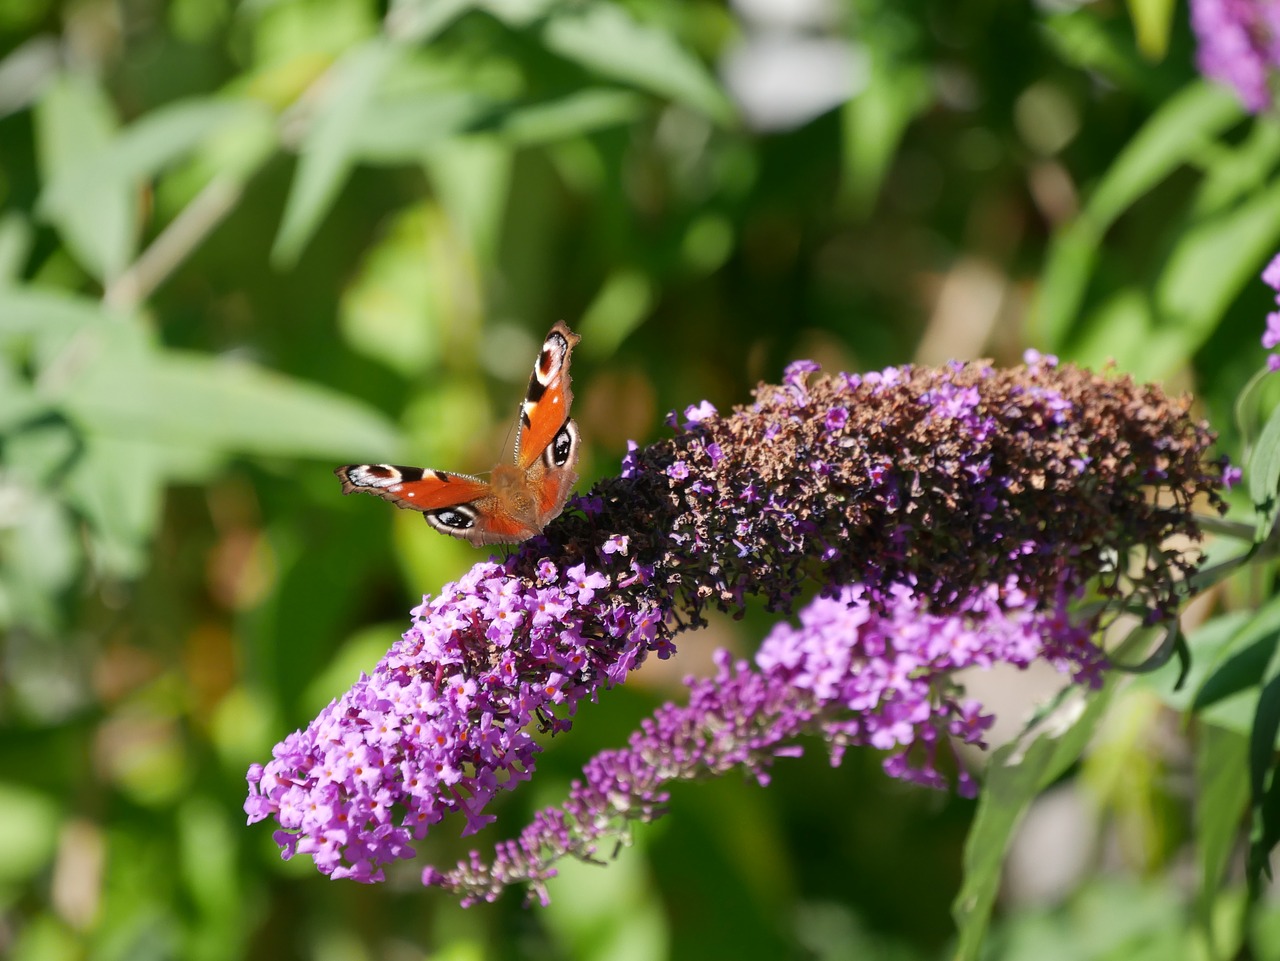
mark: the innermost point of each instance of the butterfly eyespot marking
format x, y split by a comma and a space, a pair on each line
561, 448
455, 518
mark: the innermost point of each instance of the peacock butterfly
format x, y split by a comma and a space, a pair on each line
518, 499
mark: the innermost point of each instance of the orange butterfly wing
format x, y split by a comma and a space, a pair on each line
454, 504
545, 409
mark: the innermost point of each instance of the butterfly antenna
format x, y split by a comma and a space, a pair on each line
507, 443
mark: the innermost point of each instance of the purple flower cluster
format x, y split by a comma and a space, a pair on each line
1271, 336
947, 515
1239, 45
442, 724
854, 672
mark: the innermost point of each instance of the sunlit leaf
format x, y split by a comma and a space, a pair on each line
1263, 473
146, 147
605, 39
1152, 21
1242, 661
418, 21
26, 311
472, 178
1264, 779
1119, 329
328, 153
874, 122
41, 558
387, 312
117, 485
194, 400
1073, 255
16, 237
1223, 794
74, 123
1237, 171
619, 307
1016, 774
402, 129
1211, 264
28, 831
580, 112
1086, 41
1176, 133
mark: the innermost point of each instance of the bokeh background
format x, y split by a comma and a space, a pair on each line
242, 243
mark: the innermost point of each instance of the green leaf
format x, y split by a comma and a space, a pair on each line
1210, 266
1152, 21
1266, 834
328, 152
472, 178
387, 311
1247, 409
46, 324
74, 123
555, 120
40, 450
603, 37
118, 487
418, 21
1264, 784
1222, 794
1119, 329
28, 832
619, 307
1086, 41
1177, 133
26, 311
1172, 642
873, 123
188, 399
16, 238
1017, 773
1233, 174
154, 142
1263, 474
41, 557
1073, 255
1242, 662
358, 654
19, 402
1266, 726
402, 129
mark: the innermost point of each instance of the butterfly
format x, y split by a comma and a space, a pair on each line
519, 499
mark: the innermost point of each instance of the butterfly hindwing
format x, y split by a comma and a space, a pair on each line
553, 475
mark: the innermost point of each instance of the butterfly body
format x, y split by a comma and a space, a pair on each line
518, 499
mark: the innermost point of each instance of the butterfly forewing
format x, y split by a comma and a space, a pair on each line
412, 487
546, 403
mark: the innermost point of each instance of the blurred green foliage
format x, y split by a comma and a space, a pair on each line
244, 242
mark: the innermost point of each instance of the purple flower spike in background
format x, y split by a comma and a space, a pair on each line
1271, 336
1239, 45
947, 519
